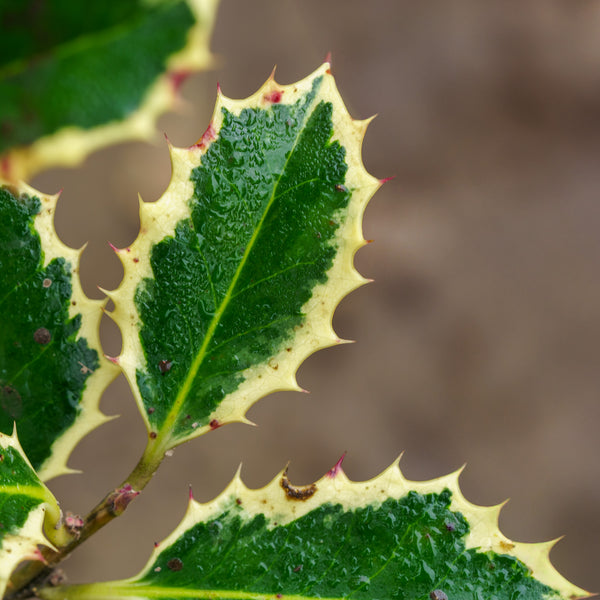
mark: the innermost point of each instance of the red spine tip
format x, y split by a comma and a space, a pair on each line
218, 88
208, 136
337, 468
113, 359
177, 79
156, 544
191, 493
328, 57
113, 247
386, 179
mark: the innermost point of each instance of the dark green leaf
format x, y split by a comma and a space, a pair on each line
51, 370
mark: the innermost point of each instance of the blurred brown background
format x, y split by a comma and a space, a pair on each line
479, 341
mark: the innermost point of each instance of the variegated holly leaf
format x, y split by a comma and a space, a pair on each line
78, 76
239, 266
52, 371
383, 538
27, 509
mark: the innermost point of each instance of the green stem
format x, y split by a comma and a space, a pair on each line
26, 581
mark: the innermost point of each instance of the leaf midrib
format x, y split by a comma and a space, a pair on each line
127, 588
192, 372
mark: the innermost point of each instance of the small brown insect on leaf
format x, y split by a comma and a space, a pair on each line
296, 492
438, 595
165, 366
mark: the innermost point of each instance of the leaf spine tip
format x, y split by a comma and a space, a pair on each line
113, 359
386, 179
36, 554
328, 58
190, 493
337, 468
177, 79
207, 137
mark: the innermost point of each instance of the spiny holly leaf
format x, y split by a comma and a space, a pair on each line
52, 371
77, 76
383, 538
239, 266
27, 509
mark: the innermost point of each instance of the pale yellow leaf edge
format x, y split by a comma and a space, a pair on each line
69, 146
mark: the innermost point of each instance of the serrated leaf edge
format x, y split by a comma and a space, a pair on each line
71, 145
158, 220
23, 545
90, 415
336, 488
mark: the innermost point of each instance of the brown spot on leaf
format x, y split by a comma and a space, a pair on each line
47, 282
10, 401
293, 492
42, 336
438, 595
298, 569
175, 564
153, 435
214, 424
506, 546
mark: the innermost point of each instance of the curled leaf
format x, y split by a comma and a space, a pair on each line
27, 509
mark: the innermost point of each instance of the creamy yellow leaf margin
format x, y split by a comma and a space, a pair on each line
71, 145
23, 544
89, 416
159, 219
335, 488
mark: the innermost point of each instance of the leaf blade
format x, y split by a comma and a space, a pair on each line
27, 509
93, 77
387, 537
52, 371
259, 223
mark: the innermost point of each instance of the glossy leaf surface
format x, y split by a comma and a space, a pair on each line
384, 538
51, 368
26, 506
238, 268
76, 76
